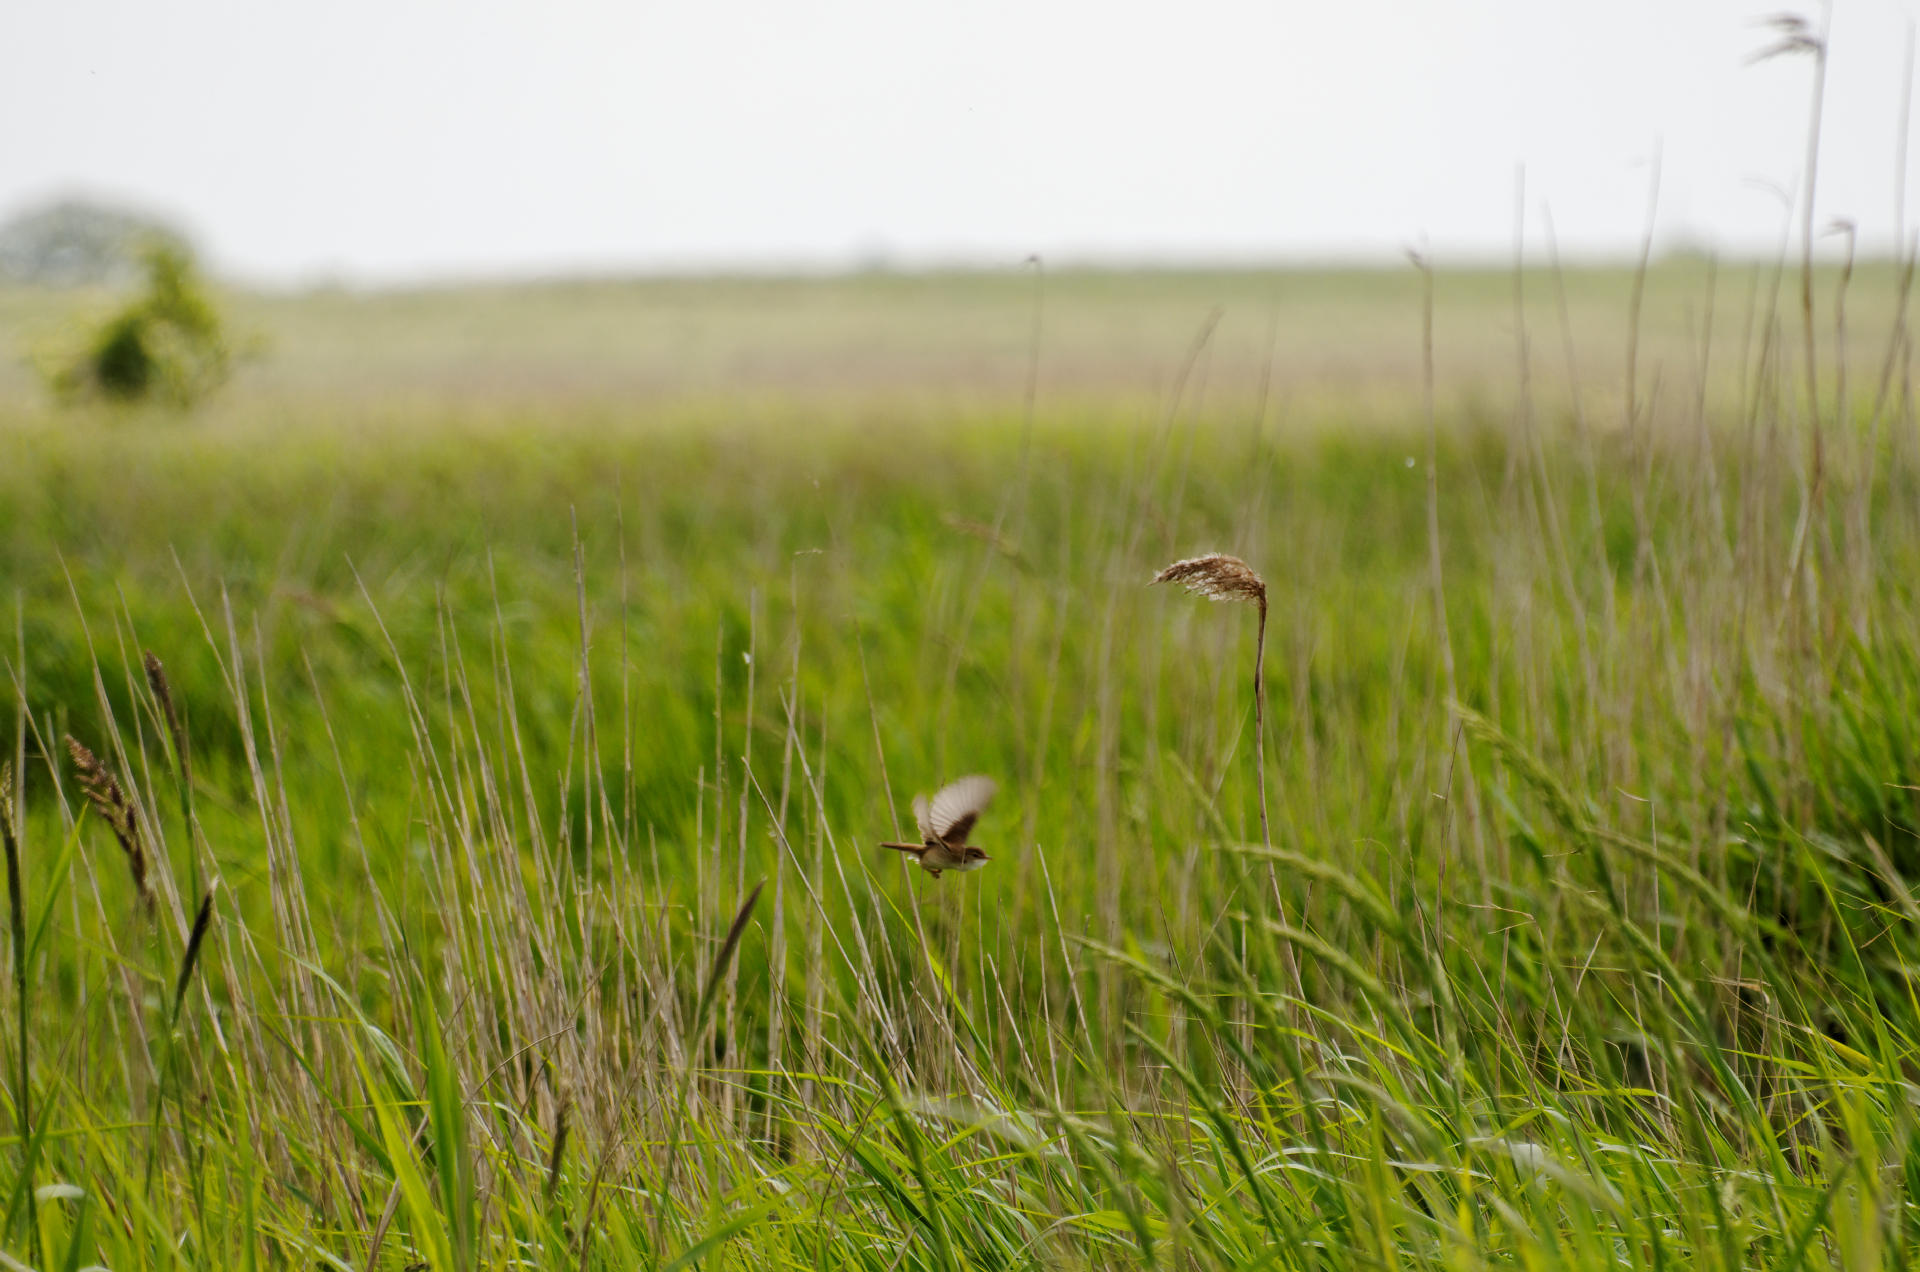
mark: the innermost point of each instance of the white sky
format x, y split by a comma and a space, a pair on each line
384, 140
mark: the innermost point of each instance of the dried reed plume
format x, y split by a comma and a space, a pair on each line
104, 793
1217, 577
1220, 577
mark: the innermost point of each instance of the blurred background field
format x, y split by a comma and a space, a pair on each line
1324, 342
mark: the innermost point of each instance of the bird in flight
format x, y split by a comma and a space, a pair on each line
945, 823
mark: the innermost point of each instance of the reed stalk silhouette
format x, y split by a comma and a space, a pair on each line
1220, 577
17, 926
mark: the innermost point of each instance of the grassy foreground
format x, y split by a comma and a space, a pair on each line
531, 765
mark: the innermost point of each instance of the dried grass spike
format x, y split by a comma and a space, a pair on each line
1218, 577
10, 844
201, 920
163, 693
104, 793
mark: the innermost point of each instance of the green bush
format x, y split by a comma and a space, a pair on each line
167, 346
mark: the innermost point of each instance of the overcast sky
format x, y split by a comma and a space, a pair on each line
384, 140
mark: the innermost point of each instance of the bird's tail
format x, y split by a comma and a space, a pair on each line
915, 849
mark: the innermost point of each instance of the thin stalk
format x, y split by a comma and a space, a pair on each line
1434, 575
1260, 722
17, 925
182, 761
168, 1083
1797, 37
1819, 51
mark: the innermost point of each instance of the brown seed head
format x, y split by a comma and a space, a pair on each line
1218, 577
104, 793
163, 693
201, 920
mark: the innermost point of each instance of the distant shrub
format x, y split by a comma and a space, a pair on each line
167, 346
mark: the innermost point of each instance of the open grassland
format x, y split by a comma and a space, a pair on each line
543, 686
1328, 343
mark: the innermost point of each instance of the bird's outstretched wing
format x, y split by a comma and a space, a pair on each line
956, 807
923, 817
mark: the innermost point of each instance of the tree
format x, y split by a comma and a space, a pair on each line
169, 345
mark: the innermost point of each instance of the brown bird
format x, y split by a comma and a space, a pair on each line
945, 824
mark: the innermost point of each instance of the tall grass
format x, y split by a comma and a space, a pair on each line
1592, 937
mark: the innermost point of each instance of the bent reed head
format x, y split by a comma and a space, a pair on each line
1218, 577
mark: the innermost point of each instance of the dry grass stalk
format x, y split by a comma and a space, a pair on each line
1220, 577
103, 792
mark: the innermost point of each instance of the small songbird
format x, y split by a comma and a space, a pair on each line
945, 823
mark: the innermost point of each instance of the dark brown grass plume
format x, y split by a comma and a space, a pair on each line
1220, 577
202, 919
163, 694
103, 792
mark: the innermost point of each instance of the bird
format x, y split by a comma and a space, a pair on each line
945, 823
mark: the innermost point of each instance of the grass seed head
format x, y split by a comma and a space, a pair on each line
201, 920
1218, 577
163, 694
104, 793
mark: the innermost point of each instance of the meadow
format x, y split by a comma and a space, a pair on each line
536, 668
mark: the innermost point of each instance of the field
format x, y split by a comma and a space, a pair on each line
540, 666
